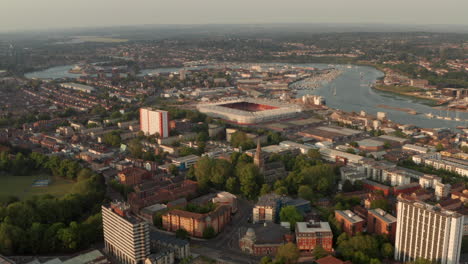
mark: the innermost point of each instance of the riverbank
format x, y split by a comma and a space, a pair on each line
407, 91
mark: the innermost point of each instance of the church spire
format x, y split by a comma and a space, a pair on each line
258, 159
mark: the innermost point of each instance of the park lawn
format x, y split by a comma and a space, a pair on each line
21, 186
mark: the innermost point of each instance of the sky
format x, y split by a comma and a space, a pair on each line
53, 14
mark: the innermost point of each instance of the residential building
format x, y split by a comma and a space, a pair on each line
382, 223
195, 223
311, 234
427, 231
154, 121
350, 222
267, 208
125, 237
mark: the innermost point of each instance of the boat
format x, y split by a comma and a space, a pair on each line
430, 115
334, 91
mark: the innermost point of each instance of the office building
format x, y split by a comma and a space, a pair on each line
428, 232
126, 238
154, 121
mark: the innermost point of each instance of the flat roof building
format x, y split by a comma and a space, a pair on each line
428, 232
125, 237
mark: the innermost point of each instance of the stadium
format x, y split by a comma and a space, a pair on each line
250, 111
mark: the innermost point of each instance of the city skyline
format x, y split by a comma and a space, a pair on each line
54, 14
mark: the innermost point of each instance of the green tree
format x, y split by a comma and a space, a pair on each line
209, 232
305, 192
250, 180
314, 154
135, 147
439, 147
319, 252
112, 138
266, 189
232, 185
380, 203
287, 253
387, 250
220, 172
182, 233
290, 214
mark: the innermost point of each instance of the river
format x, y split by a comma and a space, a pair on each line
352, 94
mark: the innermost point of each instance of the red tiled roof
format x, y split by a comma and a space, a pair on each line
329, 260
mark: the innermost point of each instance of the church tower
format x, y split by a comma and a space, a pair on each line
258, 159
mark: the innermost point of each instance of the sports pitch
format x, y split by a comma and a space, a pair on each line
27, 186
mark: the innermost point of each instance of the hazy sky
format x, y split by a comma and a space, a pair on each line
40, 14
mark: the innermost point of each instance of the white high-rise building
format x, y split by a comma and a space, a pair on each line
154, 121
427, 231
125, 237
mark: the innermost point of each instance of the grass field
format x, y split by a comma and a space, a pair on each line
21, 186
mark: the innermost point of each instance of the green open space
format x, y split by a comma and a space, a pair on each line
21, 186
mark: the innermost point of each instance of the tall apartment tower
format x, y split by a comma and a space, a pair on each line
154, 121
429, 232
125, 237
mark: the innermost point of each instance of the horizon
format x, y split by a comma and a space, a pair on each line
87, 14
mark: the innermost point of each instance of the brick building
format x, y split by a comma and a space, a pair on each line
382, 223
264, 239
133, 176
350, 222
310, 234
153, 192
194, 223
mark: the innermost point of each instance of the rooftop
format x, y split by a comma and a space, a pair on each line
312, 227
350, 216
382, 215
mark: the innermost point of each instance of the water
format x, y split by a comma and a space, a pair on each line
352, 94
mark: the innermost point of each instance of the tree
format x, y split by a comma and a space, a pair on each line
266, 189
380, 203
387, 250
182, 233
305, 192
290, 214
319, 252
347, 186
220, 172
203, 172
232, 185
282, 190
439, 147
250, 180
173, 169
354, 144
314, 154
209, 232
112, 138
240, 139
287, 253
135, 147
